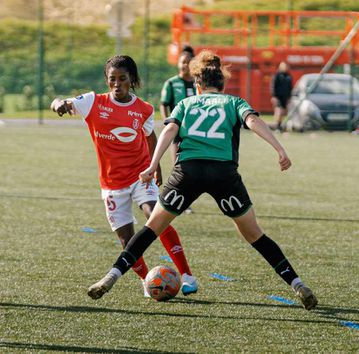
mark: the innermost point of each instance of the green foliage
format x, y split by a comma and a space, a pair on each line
2, 99
75, 54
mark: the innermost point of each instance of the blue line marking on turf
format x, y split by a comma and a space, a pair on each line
281, 299
350, 324
88, 229
221, 277
166, 258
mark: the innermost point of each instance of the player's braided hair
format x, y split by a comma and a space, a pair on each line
127, 63
207, 70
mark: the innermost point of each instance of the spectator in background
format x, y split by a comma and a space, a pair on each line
281, 89
174, 90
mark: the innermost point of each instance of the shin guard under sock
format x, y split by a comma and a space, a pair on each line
140, 268
134, 249
173, 246
275, 257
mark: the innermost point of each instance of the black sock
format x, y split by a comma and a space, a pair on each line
275, 257
134, 249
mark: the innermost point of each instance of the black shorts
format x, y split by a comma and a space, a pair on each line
189, 179
282, 101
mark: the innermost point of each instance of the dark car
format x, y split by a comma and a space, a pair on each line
332, 104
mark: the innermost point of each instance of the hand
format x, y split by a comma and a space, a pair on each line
158, 176
284, 161
61, 107
147, 175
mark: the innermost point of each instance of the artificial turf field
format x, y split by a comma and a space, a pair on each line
49, 195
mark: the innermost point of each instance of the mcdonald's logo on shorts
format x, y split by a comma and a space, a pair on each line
230, 203
173, 198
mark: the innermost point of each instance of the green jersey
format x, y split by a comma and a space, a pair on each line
175, 90
209, 126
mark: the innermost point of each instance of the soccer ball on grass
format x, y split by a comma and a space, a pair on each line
163, 283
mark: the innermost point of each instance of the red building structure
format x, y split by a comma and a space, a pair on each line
255, 42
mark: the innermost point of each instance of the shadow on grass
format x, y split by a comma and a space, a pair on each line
287, 217
76, 349
336, 312
331, 313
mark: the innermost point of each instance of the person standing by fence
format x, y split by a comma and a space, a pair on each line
281, 90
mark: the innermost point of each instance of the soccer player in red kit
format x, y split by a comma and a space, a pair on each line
122, 129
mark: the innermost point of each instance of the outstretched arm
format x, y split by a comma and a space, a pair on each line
260, 128
164, 140
62, 106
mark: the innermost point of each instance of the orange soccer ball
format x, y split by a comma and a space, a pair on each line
163, 283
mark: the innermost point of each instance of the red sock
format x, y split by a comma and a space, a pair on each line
140, 268
172, 244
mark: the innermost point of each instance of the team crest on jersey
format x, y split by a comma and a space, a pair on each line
80, 97
135, 123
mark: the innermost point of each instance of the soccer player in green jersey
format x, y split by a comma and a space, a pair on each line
209, 125
175, 89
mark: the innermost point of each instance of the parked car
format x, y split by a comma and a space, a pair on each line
333, 104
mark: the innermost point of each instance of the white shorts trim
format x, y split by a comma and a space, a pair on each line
118, 203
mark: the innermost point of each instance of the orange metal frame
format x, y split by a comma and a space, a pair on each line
253, 63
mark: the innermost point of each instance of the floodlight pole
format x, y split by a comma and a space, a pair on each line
146, 51
351, 91
119, 27
41, 54
290, 8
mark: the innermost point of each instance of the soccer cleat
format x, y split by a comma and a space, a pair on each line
145, 292
189, 284
307, 297
96, 290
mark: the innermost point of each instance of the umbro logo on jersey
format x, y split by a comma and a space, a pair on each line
104, 115
134, 114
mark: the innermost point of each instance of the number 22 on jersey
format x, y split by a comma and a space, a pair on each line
212, 133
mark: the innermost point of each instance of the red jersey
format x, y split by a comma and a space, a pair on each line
119, 132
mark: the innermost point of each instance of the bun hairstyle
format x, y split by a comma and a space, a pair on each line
207, 70
127, 63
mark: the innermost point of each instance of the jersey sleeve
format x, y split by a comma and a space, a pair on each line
149, 124
83, 104
243, 110
177, 115
167, 94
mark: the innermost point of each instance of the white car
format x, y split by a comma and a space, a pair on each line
332, 104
